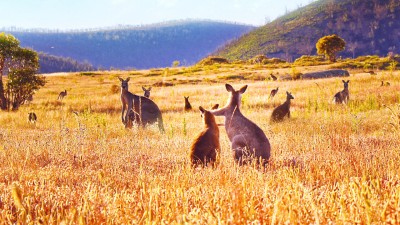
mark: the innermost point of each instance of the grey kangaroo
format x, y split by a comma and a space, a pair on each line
344, 95
248, 141
146, 92
279, 113
139, 109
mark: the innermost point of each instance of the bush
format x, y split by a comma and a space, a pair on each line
211, 60
310, 60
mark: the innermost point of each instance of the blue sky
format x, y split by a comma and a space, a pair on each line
78, 14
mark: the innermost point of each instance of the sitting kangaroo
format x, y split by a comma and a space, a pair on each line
279, 113
205, 146
139, 109
146, 92
248, 141
188, 106
342, 96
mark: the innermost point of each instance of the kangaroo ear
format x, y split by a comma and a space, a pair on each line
215, 106
127, 79
149, 88
144, 89
120, 79
343, 81
243, 89
202, 110
348, 81
229, 88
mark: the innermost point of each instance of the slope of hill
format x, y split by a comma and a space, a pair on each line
52, 64
369, 27
139, 47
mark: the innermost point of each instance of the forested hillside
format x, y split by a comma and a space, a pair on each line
369, 27
51, 64
135, 47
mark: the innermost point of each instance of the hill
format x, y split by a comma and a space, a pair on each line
52, 64
369, 27
124, 47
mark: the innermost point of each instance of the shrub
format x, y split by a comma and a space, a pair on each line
310, 60
211, 60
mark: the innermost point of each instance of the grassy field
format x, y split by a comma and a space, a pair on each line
330, 164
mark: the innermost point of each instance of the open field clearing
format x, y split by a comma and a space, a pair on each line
336, 164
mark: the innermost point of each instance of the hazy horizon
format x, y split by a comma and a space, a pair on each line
85, 14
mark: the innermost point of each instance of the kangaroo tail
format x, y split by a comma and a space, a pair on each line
160, 123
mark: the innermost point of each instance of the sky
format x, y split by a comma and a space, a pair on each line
81, 14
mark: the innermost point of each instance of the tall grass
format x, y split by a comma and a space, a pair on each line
330, 163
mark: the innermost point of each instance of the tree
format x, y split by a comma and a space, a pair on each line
329, 46
20, 64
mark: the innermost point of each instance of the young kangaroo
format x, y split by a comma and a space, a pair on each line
273, 92
248, 141
146, 92
387, 83
344, 95
62, 95
143, 110
205, 146
32, 117
279, 113
188, 106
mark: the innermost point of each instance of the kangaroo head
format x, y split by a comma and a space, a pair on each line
346, 83
208, 117
124, 83
289, 96
146, 92
235, 97
186, 98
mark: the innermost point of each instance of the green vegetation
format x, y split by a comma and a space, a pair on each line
20, 64
329, 46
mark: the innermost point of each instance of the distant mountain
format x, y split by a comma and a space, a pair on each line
369, 27
140, 47
52, 64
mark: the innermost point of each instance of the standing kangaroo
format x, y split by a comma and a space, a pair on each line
279, 113
205, 146
139, 109
344, 95
273, 92
248, 141
62, 95
188, 106
146, 92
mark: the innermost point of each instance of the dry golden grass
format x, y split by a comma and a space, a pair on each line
330, 163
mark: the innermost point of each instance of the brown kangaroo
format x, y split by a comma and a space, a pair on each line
344, 95
248, 141
62, 95
146, 92
139, 109
273, 92
188, 106
279, 113
274, 78
205, 146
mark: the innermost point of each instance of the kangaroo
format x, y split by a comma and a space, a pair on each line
248, 141
205, 146
273, 92
62, 95
274, 78
385, 83
32, 117
146, 92
344, 95
143, 110
279, 113
188, 106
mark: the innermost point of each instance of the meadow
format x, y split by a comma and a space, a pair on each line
330, 164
